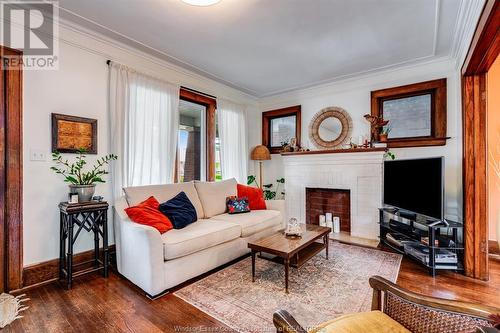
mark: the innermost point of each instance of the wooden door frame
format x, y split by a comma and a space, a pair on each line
483, 51
11, 169
211, 106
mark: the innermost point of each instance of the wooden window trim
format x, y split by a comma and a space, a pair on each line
211, 104
484, 49
267, 116
11, 214
437, 90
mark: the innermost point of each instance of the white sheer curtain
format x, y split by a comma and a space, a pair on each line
233, 140
144, 122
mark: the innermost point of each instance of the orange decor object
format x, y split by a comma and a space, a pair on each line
255, 196
147, 213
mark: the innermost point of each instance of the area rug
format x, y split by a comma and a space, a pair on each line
320, 290
10, 307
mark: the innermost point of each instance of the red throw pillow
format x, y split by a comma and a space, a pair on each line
147, 213
254, 195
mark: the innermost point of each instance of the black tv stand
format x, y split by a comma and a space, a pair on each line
436, 244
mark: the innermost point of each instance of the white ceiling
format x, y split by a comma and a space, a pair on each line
264, 47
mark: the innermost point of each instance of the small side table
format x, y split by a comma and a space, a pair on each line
91, 216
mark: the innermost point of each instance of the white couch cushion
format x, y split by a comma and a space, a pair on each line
252, 222
198, 236
213, 195
164, 192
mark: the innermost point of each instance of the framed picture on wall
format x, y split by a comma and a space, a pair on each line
71, 133
280, 126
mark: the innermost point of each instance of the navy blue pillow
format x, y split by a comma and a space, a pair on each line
179, 210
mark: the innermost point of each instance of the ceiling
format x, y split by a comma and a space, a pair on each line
264, 47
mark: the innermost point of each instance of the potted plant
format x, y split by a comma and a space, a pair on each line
268, 191
377, 124
81, 181
384, 133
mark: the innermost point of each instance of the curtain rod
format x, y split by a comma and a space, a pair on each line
108, 62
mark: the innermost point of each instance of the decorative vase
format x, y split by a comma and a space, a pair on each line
293, 228
85, 192
383, 137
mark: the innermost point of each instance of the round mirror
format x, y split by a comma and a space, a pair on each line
330, 129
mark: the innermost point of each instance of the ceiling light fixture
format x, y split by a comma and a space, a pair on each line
201, 2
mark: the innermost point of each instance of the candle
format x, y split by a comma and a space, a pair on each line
329, 217
336, 224
322, 220
329, 224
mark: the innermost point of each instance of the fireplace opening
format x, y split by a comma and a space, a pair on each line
320, 201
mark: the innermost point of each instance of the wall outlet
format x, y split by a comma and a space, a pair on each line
38, 155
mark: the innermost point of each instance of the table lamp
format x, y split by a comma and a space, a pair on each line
260, 153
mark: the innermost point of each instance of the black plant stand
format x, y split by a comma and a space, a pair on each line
92, 217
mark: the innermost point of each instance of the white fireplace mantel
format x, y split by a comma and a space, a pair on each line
359, 172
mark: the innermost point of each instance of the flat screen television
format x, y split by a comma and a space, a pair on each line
415, 185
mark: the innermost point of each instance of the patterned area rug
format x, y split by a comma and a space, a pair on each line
320, 290
10, 308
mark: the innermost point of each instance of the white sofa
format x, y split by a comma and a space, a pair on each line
157, 262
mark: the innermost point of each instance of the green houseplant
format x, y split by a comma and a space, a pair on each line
81, 180
269, 192
384, 133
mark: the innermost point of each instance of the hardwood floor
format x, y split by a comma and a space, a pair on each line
96, 304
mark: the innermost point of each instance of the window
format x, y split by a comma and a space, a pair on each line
280, 126
191, 142
196, 148
416, 113
282, 130
409, 116
218, 169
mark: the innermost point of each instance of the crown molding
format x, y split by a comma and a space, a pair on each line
468, 16
446, 63
361, 74
149, 54
464, 24
437, 11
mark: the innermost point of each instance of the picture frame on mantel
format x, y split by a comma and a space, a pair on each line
281, 125
71, 133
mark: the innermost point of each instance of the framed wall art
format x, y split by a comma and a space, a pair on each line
71, 133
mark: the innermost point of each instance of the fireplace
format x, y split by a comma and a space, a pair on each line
360, 173
320, 201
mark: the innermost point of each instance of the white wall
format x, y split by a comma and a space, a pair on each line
79, 88
354, 96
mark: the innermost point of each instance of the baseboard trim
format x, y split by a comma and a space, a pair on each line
493, 250
48, 271
493, 247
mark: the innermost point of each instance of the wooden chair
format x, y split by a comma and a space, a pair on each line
418, 313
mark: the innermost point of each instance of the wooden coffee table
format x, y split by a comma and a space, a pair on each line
291, 251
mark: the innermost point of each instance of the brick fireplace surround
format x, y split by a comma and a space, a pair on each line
359, 173
320, 201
